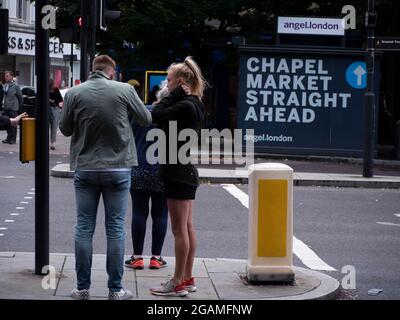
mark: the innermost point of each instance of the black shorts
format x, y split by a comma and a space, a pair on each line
181, 191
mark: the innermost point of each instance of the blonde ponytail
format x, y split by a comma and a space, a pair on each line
191, 74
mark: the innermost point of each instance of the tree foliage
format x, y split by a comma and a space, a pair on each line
158, 31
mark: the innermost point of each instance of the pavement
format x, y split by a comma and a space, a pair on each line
217, 279
214, 175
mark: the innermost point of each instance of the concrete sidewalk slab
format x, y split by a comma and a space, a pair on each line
299, 178
216, 279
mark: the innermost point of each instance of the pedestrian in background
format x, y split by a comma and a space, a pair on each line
183, 105
55, 98
1, 94
96, 114
11, 105
146, 186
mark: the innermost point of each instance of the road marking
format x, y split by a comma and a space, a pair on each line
300, 249
1, 234
28, 197
19, 208
14, 214
24, 202
397, 215
31, 193
33, 189
3, 229
9, 221
7, 177
389, 224
238, 194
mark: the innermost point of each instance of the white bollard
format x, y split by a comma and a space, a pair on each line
270, 223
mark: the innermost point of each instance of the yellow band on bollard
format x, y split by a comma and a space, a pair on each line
27, 143
272, 218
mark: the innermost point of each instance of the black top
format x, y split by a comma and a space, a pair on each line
188, 112
5, 123
1, 96
56, 97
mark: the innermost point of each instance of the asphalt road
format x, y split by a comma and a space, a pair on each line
339, 225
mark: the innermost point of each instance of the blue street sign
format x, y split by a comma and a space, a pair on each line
302, 100
356, 75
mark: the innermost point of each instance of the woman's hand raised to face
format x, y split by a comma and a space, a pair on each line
187, 89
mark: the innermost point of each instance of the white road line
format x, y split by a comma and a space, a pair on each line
9, 221
397, 215
24, 202
1, 234
7, 177
28, 197
33, 189
19, 208
3, 229
31, 193
389, 224
300, 249
237, 193
14, 214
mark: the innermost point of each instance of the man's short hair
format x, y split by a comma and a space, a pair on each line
9, 72
103, 63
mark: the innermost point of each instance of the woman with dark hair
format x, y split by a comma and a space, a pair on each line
184, 107
146, 186
55, 98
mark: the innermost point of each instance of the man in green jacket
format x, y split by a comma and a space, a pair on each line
96, 114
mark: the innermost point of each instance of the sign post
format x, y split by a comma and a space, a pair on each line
368, 164
42, 142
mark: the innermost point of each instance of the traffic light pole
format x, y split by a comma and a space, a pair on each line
84, 39
42, 142
369, 125
93, 26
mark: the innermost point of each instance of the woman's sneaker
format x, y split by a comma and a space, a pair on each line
169, 288
189, 284
80, 294
133, 263
120, 295
157, 263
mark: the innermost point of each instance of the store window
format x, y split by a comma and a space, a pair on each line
60, 75
22, 9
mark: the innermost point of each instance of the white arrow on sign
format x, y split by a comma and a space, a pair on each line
359, 72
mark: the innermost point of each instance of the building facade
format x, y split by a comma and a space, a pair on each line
21, 48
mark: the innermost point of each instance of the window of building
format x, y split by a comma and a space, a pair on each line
22, 9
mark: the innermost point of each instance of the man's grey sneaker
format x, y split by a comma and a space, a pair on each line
120, 295
169, 288
80, 294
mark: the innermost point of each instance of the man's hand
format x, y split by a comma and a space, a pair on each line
15, 121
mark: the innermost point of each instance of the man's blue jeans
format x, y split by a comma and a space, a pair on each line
114, 187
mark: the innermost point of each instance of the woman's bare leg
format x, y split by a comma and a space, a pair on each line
192, 244
179, 213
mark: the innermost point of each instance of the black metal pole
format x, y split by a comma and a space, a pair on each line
369, 125
42, 142
84, 39
93, 26
72, 64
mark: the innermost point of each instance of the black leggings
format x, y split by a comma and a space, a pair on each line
140, 212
